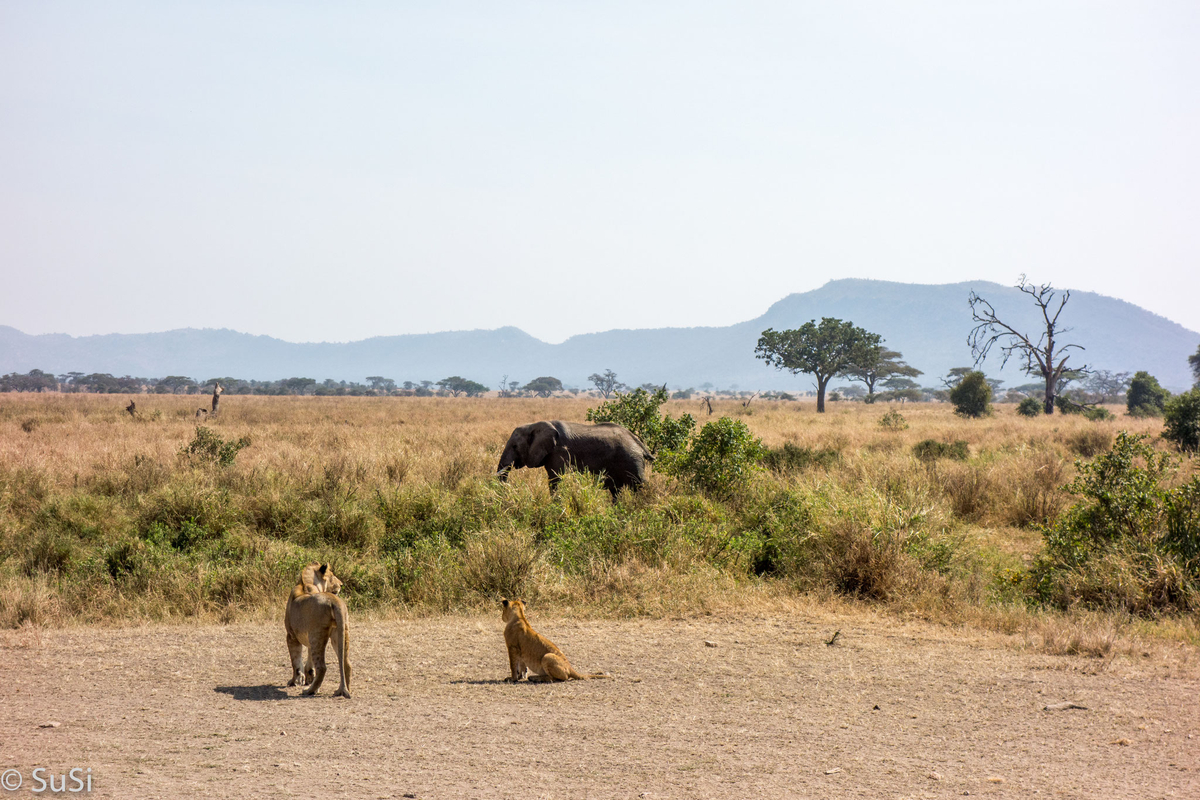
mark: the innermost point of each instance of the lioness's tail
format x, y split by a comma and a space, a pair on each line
580, 677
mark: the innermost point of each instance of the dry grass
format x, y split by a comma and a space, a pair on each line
397, 493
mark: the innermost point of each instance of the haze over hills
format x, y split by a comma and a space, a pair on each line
928, 324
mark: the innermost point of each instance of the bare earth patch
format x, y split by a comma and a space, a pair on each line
890, 710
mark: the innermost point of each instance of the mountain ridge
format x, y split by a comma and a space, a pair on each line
928, 323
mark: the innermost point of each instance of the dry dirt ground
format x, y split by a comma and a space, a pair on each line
724, 706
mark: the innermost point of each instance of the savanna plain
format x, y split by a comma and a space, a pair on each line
864, 615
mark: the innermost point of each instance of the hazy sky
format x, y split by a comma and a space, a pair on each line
333, 171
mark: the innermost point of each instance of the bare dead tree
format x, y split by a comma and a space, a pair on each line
707, 401
1044, 356
216, 397
132, 409
746, 403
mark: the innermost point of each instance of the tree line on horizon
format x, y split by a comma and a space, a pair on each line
830, 350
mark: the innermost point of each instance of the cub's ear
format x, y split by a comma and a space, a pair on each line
504, 600
324, 568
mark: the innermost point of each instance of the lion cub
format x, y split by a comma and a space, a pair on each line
313, 614
529, 651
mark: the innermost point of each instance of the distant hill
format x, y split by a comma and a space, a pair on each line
928, 324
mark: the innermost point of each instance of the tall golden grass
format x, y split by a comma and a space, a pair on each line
102, 518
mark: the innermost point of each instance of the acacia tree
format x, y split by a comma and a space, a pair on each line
901, 388
878, 364
822, 351
456, 385
955, 375
1194, 362
544, 386
381, 384
606, 383
1043, 356
1106, 386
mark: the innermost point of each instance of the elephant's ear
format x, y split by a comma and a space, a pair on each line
545, 439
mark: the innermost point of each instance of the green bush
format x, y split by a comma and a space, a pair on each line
932, 449
774, 530
721, 457
1030, 407
1130, 543
793, 458
638, 411
1145, 397
50, 552
207, 445
1181, 421
972, 396
893, 420
186, 537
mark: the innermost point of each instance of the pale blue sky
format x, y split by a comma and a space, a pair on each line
322, 171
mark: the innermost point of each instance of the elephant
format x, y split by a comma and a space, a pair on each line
608, 449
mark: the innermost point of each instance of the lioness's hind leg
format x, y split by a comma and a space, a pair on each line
296, 653
316, 656
556, 667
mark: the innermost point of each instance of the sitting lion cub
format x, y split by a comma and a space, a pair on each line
314, 613
529, 651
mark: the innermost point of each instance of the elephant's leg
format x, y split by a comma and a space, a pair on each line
552, 474
610, 483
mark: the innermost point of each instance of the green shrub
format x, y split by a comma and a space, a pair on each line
193, 502
207, 445
1129, 544
773, 530
1183, 522
721, 457
1181, 421
972, 396
421, 514
893, 420
126, 561
184, 538
1145, 397
932, 449
638, 411
575, 544
1030, 407
338, 517
51, 552
793, 458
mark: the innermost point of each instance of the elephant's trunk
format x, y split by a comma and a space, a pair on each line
506, 463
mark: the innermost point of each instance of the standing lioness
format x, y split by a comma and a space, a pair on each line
529, 651
314, 613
